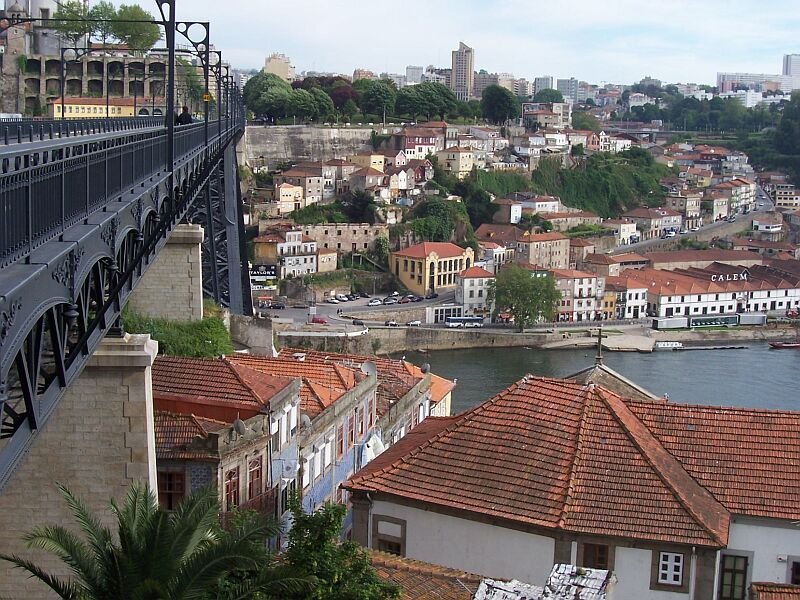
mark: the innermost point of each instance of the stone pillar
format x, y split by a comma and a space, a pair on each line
99, 439
172, 288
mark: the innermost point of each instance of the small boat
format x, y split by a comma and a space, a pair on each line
784, 345
668, 346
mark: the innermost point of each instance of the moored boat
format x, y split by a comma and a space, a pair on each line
784, 345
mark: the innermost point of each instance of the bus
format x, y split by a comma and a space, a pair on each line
464, 322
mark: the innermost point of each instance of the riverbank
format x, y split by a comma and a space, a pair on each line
388, 340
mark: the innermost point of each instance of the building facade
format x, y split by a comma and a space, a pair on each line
430, 267
346, 237
472, 291
463, 72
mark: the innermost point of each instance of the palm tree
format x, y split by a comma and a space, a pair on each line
158, 555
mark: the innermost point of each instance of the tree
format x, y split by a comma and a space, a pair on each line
155, 554
324, 104
548, 95
378, 98
301, 104
140, 35
190, 77
350, 109
381, 251
498, 104
342, 569
787, 135
584, 121
103, 14
408, 101
71, 21
529, 299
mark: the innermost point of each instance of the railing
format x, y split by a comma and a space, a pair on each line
263, 504
17, 131
45, 190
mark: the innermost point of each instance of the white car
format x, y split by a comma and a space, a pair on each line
414, 323
342, 298
374, 302
695, 229
332, 301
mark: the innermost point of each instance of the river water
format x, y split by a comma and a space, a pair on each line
755, 376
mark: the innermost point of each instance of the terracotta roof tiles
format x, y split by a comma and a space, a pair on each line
423, 250
774, 591
417, 579
177, 436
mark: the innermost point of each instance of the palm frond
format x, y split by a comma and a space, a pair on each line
193, 522
72, 551
66, 590
207, 565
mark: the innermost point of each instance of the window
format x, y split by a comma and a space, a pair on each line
171, 489
595, 556
733, 578
232, 489
670, 568
254, 478
340, 449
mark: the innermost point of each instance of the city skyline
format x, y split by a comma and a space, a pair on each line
617, 42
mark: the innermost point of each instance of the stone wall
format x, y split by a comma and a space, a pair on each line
98, 440
253, 333
172, 288
270, 145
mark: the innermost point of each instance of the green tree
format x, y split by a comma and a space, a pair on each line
103, 14
548, 95
267, 94
529, 299
350, 109
155, 554
787, 135
140, 35
435, 99
498, 104
71, 21
409, 102
342, 569
377, 98
191, 79
301, 104
584, 121
381, 251
324, 104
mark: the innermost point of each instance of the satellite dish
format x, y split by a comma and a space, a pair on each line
426, 367
304, 421
239, 426
368, 368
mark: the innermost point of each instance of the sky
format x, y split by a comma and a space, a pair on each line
614, 41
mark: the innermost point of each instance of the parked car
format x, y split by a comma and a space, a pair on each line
374, 302
417, 299
414, 323
405, 300
390, 300
332, 301
364, 295
391, 323
358, 322
352, 296
395, 293
319, 320
342, 298
278, 305
431, 295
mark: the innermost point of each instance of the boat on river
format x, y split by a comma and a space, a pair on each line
784, 345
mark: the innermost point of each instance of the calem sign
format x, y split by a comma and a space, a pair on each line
743, 276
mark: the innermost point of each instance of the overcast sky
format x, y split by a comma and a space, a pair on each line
617, 41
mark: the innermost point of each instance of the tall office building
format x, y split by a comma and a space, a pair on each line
791, 65
568, 89
414, 75
463, 73
545, 82
280, 65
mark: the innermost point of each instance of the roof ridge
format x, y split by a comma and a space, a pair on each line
696, 500
587, 390
232, 366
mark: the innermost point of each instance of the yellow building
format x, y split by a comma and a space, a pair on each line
91, 108
326, 260
289, 198
609, 307
456, 160
430, 266
369, 160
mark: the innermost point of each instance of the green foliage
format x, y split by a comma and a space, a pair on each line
342, 569
324, 104
157, 554
378, 97
359, 207
529, 299
268, 95
194, 87
500, 183
787, 135
548, 95
319, 213
586, 230
71, 21
428, 99
103, 14
376, 139
435, 220
381, 252
142, 35
207, 337
498, 104
692, 244
301, 104
606, 184
584, 121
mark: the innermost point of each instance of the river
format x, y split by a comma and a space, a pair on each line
751, 377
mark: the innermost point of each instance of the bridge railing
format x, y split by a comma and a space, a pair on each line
44, 191
14, 131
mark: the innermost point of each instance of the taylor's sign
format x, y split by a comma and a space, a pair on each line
730, 277
265, 271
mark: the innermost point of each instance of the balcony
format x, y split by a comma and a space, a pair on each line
264, 504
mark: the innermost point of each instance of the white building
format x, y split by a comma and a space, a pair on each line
472, 290
297, 255
581, 295
552, 471
631, 301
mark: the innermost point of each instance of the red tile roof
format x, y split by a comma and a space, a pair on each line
180, 436
475, 272
553, 454
423, 250
774, 591
367, 172
214, 387
417, 579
